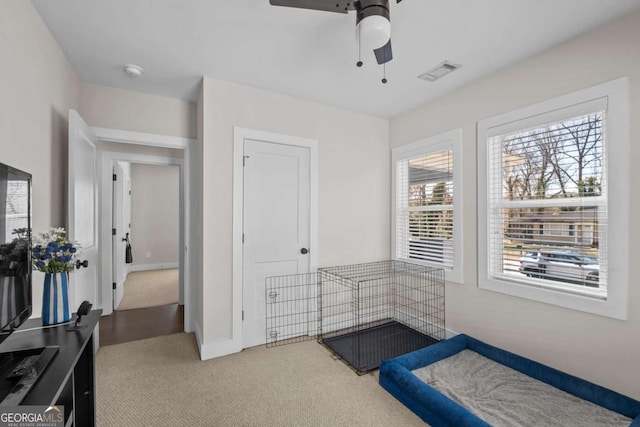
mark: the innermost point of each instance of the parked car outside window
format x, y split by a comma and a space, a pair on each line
561, 265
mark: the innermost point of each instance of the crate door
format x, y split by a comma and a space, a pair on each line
291, 308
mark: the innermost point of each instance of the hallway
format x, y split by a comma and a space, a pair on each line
141, 323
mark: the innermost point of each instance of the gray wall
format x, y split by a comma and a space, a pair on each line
38, 86
154, 215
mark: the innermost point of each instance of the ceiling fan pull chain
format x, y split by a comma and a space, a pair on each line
384, 73
359, 63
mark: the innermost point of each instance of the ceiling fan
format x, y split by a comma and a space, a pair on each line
372, 21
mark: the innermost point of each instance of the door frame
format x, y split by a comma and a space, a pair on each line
239, 136
118, 193
109, 158
188, 211
77, 126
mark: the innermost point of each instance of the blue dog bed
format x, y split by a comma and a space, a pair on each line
438, 410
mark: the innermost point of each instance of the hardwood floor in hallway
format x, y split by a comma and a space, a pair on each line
137, 324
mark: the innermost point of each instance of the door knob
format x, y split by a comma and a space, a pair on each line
84, 264
304, 251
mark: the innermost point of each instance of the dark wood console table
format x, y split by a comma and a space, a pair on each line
69, 379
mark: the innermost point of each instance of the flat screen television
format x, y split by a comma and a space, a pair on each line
15, 249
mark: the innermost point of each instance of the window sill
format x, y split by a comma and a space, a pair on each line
450, 275
594, 304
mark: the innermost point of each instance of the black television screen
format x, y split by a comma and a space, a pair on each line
15, 248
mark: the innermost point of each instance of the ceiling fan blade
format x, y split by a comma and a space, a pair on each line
384, 53
325, 5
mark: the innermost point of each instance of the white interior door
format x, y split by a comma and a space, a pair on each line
82, 209
127, 217
276, 206
119, 237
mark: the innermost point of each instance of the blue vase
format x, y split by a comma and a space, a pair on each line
55, 299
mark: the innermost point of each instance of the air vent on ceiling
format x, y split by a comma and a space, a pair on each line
440, 71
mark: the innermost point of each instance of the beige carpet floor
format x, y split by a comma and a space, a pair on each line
150, 288
162, 382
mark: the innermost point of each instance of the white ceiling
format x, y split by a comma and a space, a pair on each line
310, 54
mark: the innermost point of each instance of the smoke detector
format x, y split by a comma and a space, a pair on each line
133, 70
440, 71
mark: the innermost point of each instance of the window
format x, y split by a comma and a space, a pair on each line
17, 207
548, 168
426, 198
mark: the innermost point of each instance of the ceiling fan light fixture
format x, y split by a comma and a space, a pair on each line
374, 31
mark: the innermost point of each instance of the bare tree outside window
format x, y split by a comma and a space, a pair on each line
559, 161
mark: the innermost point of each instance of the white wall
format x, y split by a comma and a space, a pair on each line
354, 189
38, 86
599, 349
37, 91
154, 215
110, 107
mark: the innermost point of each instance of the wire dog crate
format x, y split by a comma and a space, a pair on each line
368, 313
363, 313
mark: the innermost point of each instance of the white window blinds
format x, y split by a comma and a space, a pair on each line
424, 208
548, 205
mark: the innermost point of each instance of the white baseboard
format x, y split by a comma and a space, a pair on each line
148, 267
218, 349
215, 349
226, 347
189, 324
450, 333
196, 330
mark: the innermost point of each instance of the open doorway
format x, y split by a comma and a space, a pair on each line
146, 219
133, 159
94, 213
145, 258
155, 178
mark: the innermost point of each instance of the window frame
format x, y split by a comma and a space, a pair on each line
614, 95
451, 140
